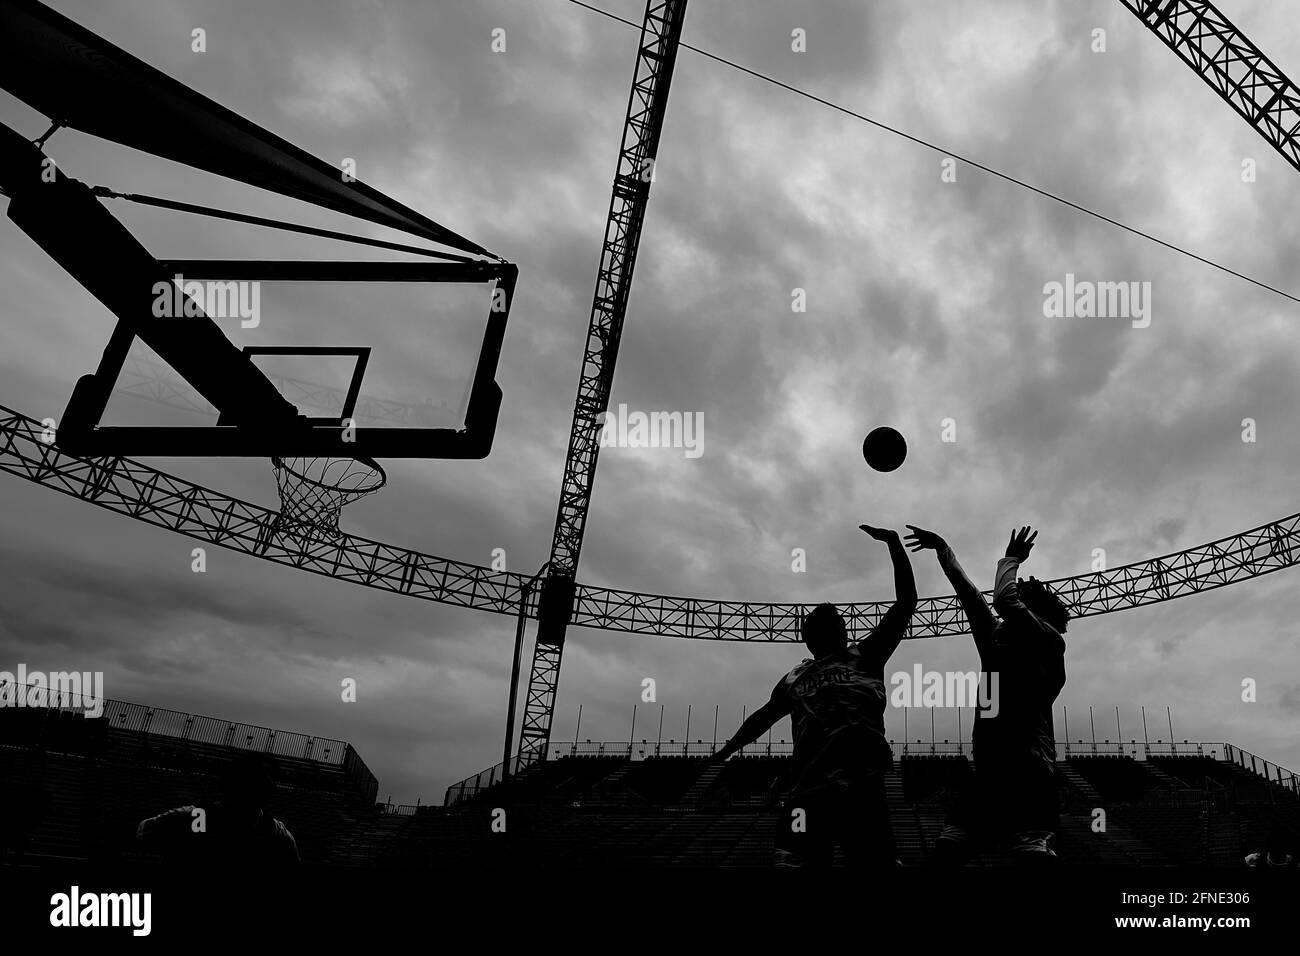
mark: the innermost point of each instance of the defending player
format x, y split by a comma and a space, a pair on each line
1013, 793
836, 702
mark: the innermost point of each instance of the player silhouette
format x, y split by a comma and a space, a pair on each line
1013, 793
836, 703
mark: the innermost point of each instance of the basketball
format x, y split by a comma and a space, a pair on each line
884, 448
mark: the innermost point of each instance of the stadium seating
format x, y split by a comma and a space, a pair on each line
76, 788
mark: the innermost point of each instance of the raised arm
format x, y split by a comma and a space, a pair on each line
885, 636
757, 724
1006, 596
978, 616
1029, 629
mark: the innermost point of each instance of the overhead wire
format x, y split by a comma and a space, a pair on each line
1006, 177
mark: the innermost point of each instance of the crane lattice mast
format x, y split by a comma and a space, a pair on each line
1235, 68
661, 30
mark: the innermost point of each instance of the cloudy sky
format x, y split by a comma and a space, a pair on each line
924, 303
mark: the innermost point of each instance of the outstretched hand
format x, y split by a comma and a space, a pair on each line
1021, 543
920, 539
880, 534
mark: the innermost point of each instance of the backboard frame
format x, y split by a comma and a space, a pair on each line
81, 432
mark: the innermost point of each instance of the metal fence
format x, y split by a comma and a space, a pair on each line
1270, 771
647, 749
471, 786
644, 749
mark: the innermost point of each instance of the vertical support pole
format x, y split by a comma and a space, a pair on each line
514, 679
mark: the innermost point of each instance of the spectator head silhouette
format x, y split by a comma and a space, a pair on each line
1044, 603
1278, 848
247, 786
824, 631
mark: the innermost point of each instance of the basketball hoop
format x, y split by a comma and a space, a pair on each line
313, 491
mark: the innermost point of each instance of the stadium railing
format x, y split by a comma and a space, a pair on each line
1270, 771
472, 786
645, 749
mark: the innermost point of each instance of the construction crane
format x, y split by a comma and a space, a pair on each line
661, 31
1231, 65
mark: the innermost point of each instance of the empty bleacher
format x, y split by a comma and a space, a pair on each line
75, 789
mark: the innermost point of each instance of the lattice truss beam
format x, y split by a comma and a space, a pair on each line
1244, 77
636, 157
146, 494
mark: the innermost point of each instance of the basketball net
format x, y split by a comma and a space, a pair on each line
313, 492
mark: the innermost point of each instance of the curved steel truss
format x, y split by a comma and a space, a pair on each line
146, 494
